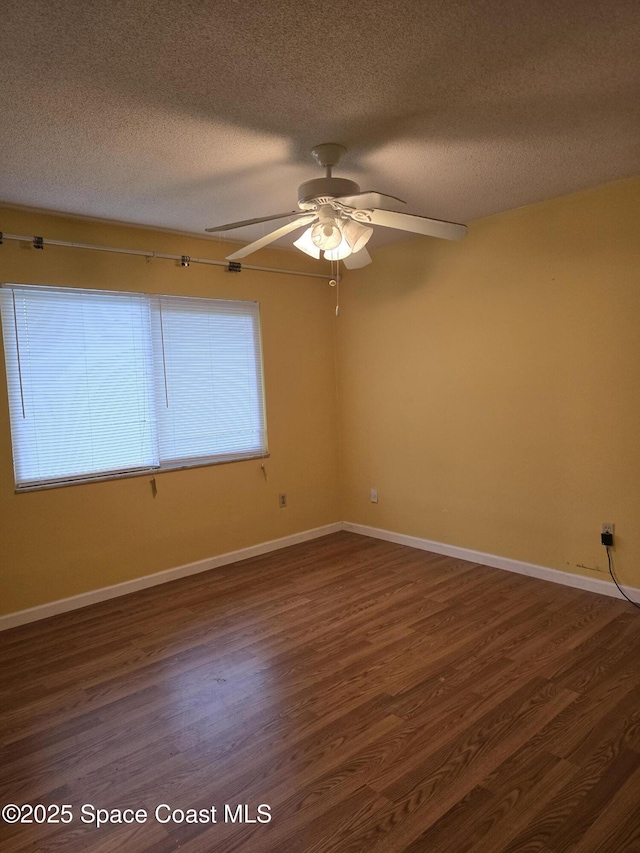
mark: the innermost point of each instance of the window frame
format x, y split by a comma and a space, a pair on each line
199, 461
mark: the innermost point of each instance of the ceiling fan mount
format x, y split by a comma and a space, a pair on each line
328, 154
339, 216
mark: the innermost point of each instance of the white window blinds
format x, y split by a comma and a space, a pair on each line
208, 380
104, 383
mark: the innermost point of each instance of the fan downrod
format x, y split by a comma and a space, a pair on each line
322, 190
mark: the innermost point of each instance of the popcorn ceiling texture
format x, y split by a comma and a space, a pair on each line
190, 113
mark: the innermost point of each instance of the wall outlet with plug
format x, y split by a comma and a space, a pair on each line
606, 533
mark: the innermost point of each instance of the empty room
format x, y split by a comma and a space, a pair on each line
320, 427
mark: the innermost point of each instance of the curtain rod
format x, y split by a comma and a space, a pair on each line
185, 260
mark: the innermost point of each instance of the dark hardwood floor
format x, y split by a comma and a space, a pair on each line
375, 697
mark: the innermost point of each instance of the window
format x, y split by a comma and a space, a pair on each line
108, 383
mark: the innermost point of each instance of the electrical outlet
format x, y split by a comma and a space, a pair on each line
607, 527
374, 496
282, 500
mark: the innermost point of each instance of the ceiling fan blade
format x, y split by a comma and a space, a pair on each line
244, 222
369, 198
274, 235
357, 260
416, 224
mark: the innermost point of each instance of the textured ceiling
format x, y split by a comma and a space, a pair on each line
190, 113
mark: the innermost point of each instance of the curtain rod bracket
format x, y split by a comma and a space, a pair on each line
38, 243
234, 266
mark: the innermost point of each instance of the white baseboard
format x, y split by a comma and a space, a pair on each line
602, 587
43, 611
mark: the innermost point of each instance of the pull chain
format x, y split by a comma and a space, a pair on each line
335, 282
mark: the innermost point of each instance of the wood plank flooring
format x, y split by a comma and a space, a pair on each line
375, 697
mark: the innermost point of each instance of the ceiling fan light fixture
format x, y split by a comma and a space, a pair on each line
356, 235
306, 245
340, 252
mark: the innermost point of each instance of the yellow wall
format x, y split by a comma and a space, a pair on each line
490, 389
65, 541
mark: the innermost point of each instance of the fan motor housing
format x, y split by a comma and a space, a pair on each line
324, 188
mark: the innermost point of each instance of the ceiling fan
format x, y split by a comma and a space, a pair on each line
339, 217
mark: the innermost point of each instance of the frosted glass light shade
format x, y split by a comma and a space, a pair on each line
357, 235
306, 244
340, 252
326, 234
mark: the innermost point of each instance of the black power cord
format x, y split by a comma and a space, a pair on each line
607, 545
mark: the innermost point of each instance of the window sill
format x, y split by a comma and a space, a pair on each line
139, 472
